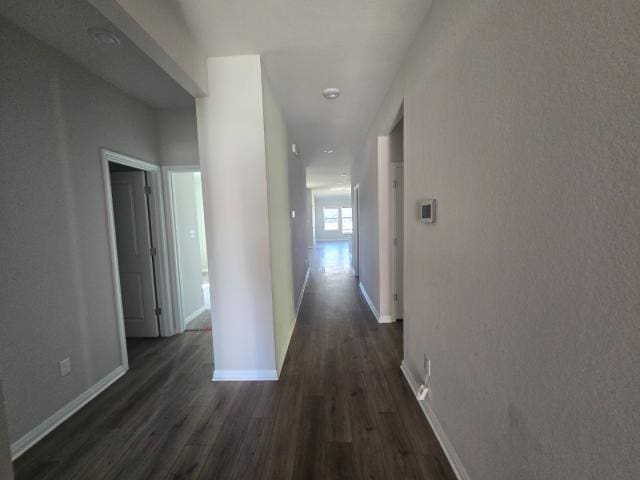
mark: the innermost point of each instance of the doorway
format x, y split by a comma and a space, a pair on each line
397, 221
356, 231
188, 246
135, 221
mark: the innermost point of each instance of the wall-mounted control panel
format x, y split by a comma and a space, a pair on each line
428, 211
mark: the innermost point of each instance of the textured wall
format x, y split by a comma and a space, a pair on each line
521, 118
56, 290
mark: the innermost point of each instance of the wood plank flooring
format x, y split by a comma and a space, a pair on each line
341, 409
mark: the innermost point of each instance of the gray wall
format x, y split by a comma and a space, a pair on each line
521, 119
177, 133
56, 290
6, 469
299, 225
321, 202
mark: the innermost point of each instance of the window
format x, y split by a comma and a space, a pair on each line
347, 221
330, 218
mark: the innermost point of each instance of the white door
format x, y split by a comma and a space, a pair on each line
135, 254
398, 240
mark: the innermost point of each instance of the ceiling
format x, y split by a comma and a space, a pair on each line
307, 46
63, 24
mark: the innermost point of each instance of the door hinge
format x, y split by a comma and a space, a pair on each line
395, 297
147, 190
395, 184
153, 251
158, 311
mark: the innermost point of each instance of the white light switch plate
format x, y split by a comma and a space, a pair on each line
65, 367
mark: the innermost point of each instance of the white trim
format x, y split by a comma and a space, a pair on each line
32, 437
159, 228
449, 451
302, 290
180, 320
194, 315
244, 375
374, 310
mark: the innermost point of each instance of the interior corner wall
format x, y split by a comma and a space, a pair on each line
56, 282
277, 159
232, 155
177, 133
520, 118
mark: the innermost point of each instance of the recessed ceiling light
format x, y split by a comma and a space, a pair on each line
329, 151
344, 175
104, 37
331, 93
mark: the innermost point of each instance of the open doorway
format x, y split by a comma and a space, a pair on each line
135, 219
397, 220
356, 231
192, 298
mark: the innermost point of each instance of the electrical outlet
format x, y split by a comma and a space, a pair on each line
65, 367
427, 365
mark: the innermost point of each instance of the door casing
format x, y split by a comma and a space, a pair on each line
158, 228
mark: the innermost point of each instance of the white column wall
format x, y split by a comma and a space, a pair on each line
233, 162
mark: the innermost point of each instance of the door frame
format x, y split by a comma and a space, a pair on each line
355, 238
158, 229
174, 265
392, 212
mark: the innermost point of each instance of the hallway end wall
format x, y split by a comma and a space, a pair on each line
520, 119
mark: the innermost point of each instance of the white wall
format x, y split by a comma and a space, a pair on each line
188, 242
177, 133
201, 229
234, 176
277, 162
521, 120
56, 289
337, 201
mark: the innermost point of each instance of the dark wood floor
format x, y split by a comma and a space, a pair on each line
340, 410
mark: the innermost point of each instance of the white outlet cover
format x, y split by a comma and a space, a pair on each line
65, 367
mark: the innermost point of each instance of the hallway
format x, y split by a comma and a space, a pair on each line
341, 408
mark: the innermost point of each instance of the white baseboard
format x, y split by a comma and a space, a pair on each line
32, 437
194, 315
448, 449
301, 295
374, 310
244, 375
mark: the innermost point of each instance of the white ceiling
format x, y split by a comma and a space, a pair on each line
307, 46
63, 24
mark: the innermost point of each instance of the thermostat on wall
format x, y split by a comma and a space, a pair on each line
428, 211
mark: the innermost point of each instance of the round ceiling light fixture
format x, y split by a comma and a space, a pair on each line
330, 152
331, 93
105, 37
